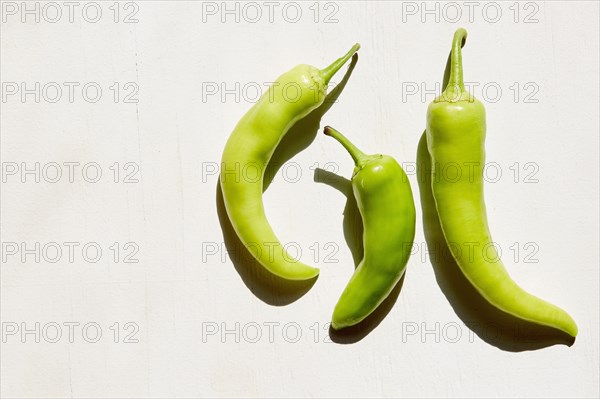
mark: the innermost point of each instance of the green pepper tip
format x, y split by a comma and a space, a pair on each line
461, 35
327, 130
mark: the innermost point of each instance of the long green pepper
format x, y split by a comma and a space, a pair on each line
455, 135
252, 144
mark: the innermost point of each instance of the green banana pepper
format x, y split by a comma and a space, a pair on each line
387, 209
455, 135
290, 98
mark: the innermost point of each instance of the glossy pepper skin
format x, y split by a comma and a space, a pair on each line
455, 135
387, 209
247, 153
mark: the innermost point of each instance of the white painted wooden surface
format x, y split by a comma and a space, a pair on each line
184, 294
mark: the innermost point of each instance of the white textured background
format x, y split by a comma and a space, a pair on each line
175, 134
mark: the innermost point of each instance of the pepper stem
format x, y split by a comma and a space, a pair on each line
328, 72
357, 155
455, 80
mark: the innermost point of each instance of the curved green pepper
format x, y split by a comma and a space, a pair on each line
290, 98
456, 136
387, 209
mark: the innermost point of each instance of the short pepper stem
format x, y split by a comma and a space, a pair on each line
456, 84
328, 72
357, 155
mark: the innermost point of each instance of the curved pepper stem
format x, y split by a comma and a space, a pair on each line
456, 84
328, 72
357, 155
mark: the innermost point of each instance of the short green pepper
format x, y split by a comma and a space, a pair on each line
387, 209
